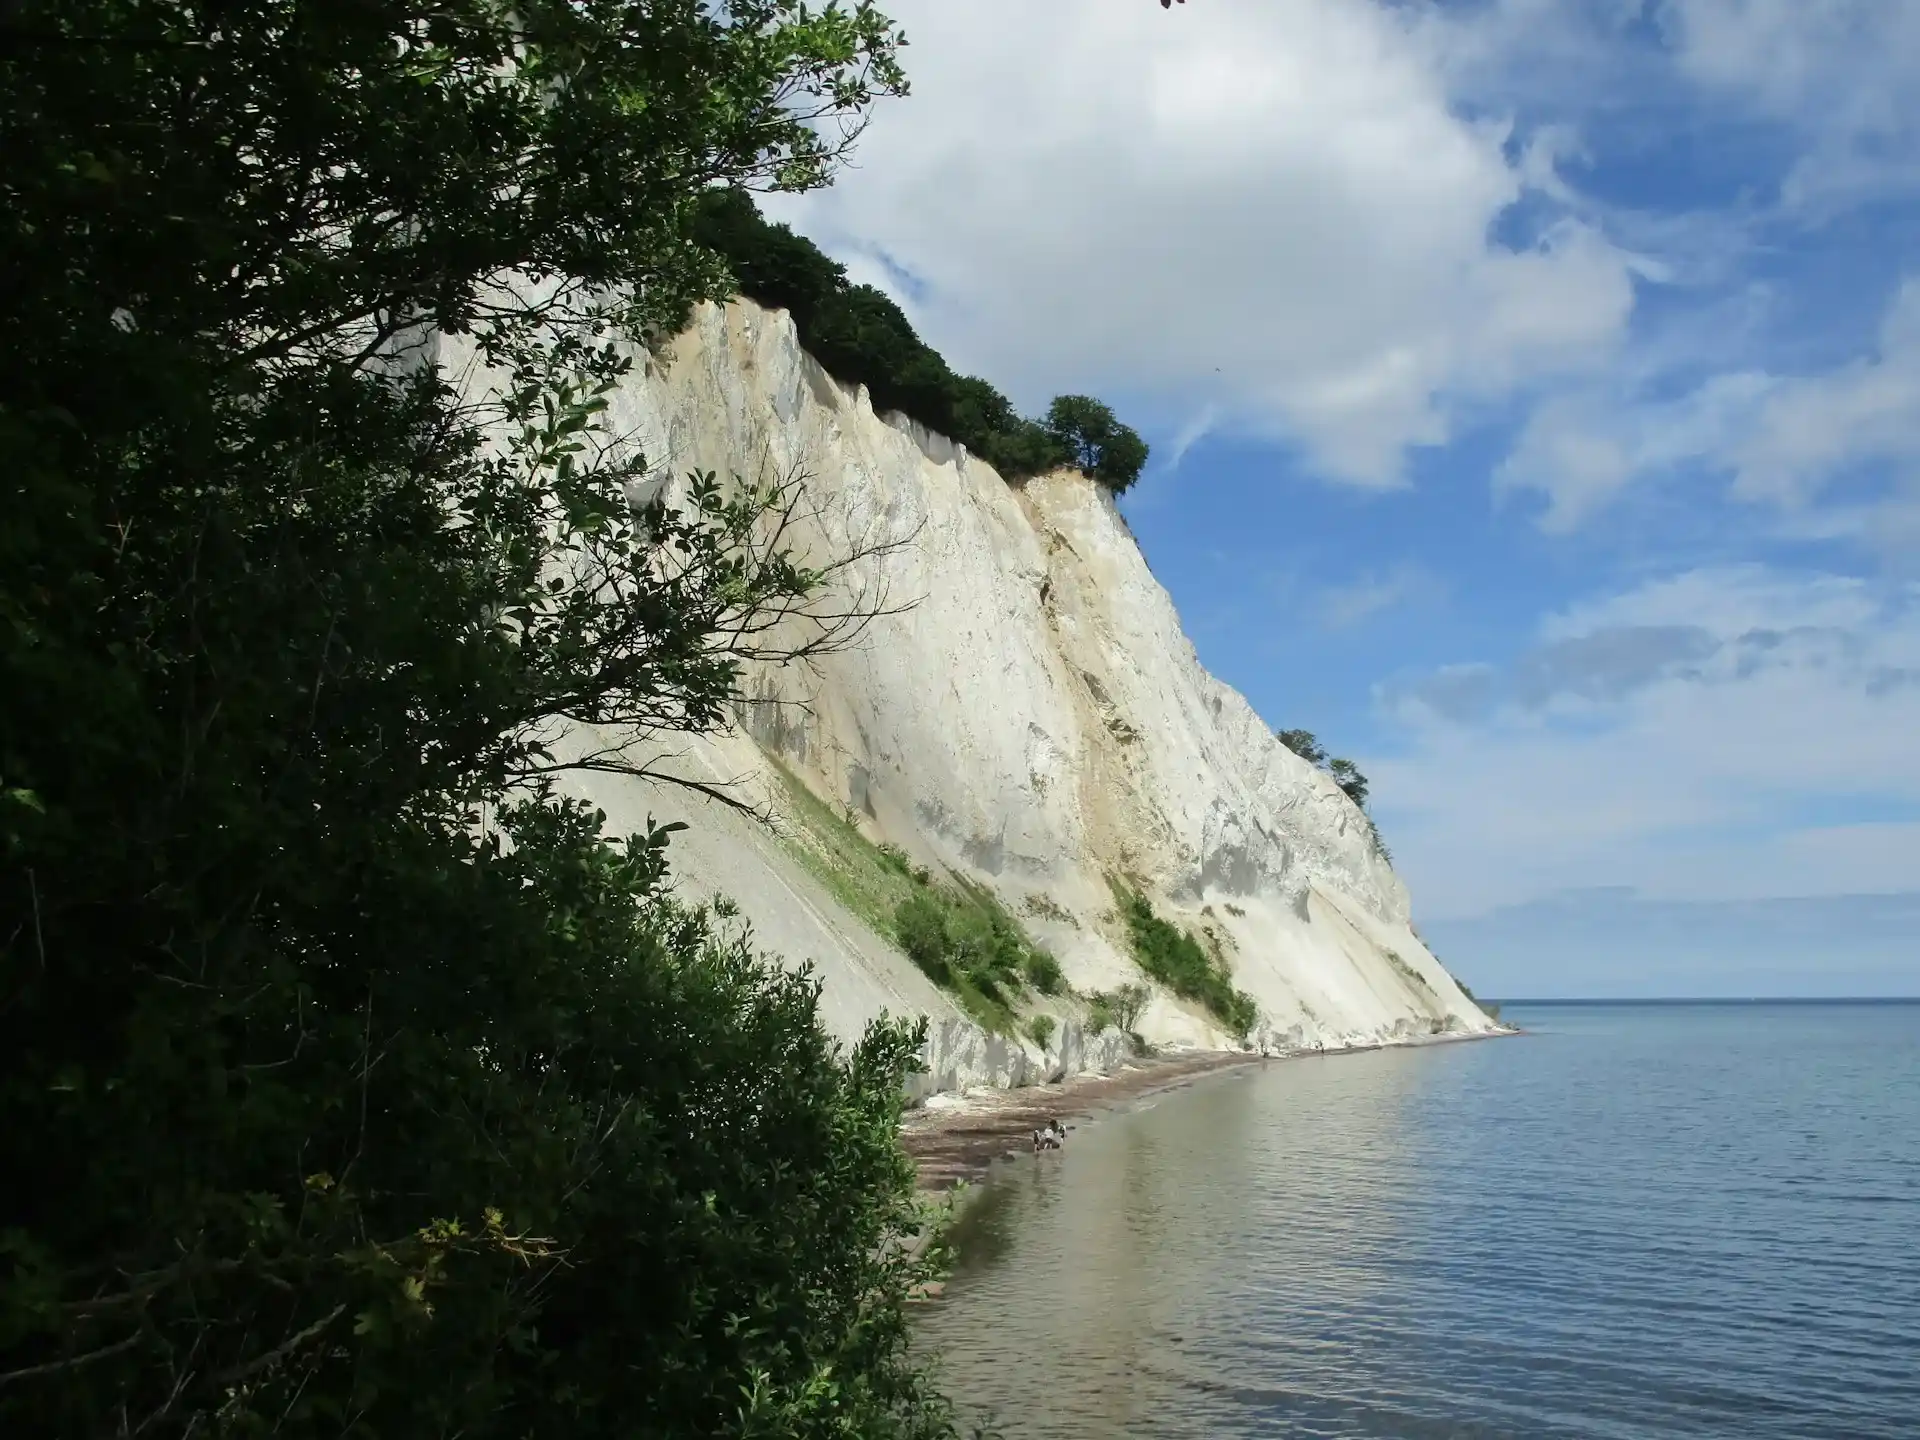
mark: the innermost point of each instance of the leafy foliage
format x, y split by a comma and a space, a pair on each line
1117, 1009
861, 336
1178, 961
1345, 773
1112, 453
957, 932
962, 938
1043, 971
1347, 776
1490, 1008
1303, 744
354, 1081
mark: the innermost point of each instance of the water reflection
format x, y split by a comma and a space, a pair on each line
1116, 1270
1661, 1225
983, 1233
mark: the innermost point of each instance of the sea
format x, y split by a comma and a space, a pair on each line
1631, 1221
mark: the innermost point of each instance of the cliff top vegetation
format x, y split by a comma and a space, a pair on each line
863, 337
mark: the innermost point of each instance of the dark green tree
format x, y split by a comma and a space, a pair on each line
861, 334
1347, 776
355, 1083
985, 421
1344, 772
769, 262
1112, 453
863, 337
1303, 744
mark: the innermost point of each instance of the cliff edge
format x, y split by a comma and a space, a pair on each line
1026, 714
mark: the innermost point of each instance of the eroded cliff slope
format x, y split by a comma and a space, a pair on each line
1027, 713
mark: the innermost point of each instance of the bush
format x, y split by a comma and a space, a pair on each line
963, 939
1182, 964
1044, 973
1099, 1013
1347, 776
1114, 454
921, 926
1118, 1009
1489, 1008
1345, 773
862, 337
1041, 1028
354, 1081
1304, 744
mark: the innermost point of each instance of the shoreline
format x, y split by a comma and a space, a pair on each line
958, 1141
955, 1139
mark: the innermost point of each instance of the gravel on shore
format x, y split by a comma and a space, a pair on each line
955, 1138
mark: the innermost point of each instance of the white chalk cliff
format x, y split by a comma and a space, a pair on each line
1036, 721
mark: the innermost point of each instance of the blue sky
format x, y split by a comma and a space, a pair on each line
1534, 389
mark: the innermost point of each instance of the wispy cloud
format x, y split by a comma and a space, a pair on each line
1342, 607
1718, 734
1612, 942
1844, 75
1191, 434
1631, 271
1780, 439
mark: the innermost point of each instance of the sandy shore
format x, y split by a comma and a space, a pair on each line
957, 1137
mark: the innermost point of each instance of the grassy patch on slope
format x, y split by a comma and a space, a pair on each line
958, 933
857, 873
1407, 973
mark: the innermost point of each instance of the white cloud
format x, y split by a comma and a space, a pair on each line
1728, 603
1844, 74
1721, 734
1809, 429
1783, 440
1273, 210
1610, 942
1191, 434
1344, 606
1569, 452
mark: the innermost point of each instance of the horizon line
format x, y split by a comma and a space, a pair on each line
1909, 999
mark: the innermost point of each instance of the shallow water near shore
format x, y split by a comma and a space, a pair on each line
1634, 1221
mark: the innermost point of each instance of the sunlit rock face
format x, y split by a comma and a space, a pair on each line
1025, 710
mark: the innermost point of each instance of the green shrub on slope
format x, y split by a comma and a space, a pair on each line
962, 938
1182, 964
957, 933
1118, 1009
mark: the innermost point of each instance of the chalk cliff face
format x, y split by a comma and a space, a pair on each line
1033, 719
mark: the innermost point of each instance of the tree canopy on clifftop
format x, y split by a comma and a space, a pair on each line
863, 337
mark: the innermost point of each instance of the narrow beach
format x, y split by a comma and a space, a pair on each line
955, 1138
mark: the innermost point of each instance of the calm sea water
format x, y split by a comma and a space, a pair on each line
1679, 1220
